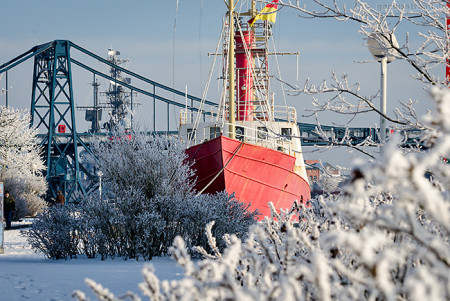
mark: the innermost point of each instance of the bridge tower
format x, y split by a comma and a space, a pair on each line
53, 112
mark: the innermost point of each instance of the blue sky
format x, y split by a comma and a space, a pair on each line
143, 31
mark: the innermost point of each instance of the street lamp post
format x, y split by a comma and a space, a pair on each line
7, 88
100, 174
447, 33
383, 48
383, 100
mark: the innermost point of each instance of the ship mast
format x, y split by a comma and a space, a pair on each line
231, 80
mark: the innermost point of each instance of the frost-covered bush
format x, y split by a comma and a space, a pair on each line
21, 165
125, 226
146, 202
229, 215
55, 232
386, 237
27, 193
329, 183
99, 227
153, 164
130, 226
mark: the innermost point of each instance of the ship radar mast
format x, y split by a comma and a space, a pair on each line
119, 102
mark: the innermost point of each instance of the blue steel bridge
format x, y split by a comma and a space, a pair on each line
53, 108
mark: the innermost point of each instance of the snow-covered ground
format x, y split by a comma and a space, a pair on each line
25, 275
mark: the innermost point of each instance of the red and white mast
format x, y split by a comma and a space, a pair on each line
244, 77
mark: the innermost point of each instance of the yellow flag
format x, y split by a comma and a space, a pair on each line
268, 13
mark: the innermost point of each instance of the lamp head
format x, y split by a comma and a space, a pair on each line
381, 44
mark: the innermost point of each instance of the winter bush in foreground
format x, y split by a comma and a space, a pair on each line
385, 238
131, 227
147, 201
54, 232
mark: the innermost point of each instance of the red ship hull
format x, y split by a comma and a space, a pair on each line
255, 174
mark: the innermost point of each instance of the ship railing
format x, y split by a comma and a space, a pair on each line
259, 113
185, 116
188, 116
262, 136
275, 113
282, 112
259, 136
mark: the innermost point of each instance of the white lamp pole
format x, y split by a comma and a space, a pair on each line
380, 45
100, 174
383, 101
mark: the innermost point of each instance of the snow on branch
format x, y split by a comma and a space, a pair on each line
424, 48
428, 16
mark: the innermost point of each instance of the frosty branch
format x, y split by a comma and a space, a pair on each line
425, 14
338, 103
427, 22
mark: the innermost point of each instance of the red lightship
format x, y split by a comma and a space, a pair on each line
250, 147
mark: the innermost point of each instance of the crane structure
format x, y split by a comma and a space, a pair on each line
53, 108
